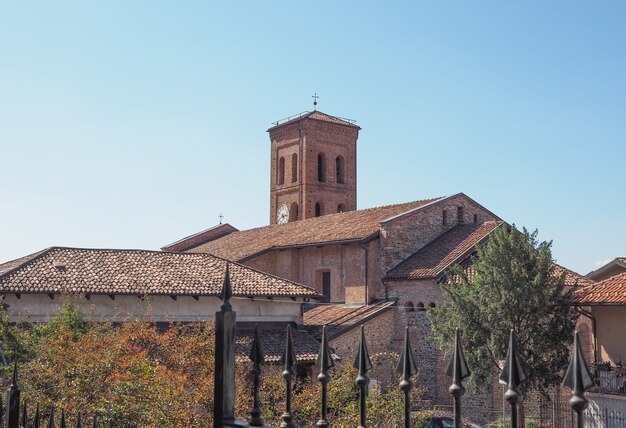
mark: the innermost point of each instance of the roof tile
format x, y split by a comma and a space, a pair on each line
347, 226
77, 270
611, 291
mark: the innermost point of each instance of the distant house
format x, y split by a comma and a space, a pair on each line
612, 268
605, 303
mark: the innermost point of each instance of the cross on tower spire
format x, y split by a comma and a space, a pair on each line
315, 97
221, 217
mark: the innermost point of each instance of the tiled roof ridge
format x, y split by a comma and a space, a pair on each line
576, 274
325, 216
601, 283
27, 260
435, 242
51, 250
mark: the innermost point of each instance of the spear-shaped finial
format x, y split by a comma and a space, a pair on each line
457, 370
227, 291
256, 355
78, 422
578, 379
324, 357
513, 375
63, 419
95, 421
324, 362
363, 364
289, 355
51, 420
407, 368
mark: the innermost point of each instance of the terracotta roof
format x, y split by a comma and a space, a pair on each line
273, 344
340, 319
572, 278
316, 115
200, 238
611, 291
431, 261
347, 226
78, 270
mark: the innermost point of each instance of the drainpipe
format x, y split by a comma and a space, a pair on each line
595, 337
366, 274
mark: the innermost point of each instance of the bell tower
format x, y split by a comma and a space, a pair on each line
313, 170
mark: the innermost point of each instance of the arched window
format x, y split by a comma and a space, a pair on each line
294, 168
339, 169
281, 170
341, 208
321, 168
319, 210
409, 307
420, 307
293, 212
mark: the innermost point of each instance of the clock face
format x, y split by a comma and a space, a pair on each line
282, 214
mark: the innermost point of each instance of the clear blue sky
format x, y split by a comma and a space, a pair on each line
133, 124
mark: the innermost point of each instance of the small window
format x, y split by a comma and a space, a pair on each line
459, 215
321, 168
318, 210
281, 170
409, 307
339, 169
475, 219
341, 208
432, 304
294, 168
444, 218
420, 307
326, 286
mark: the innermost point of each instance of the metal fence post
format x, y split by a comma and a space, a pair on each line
363, 364
324, 362
256, 355
578, 379
457, 370
289, 360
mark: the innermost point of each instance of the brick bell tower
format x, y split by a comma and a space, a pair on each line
313, 171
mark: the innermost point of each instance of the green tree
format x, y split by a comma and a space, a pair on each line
513, 284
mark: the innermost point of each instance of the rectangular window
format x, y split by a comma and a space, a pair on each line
326, 286
459, 215
444, 218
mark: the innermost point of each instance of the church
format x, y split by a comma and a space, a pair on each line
320, 261
380, 267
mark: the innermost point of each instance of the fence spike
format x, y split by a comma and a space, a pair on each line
289, 359
37, 417
13, 402
363, 364
324, 362
95, 421
407, 368
24, 415
227, 291
457, 370
63, 418
110, 423
51, 420
256, 355
578, 379
513, 375
78, 422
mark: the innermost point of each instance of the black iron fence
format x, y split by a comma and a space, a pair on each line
578, 379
